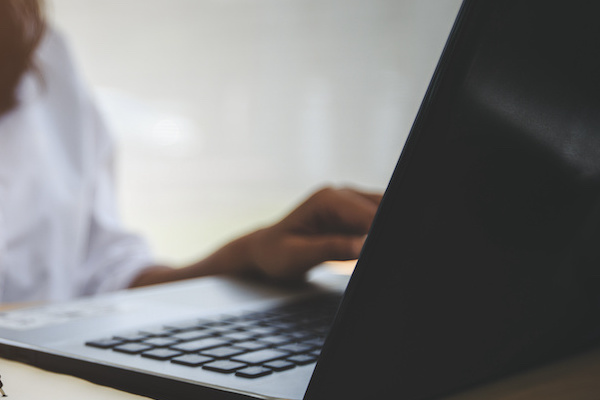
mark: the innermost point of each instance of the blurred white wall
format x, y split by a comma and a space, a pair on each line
227, 112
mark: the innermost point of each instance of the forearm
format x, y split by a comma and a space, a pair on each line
233, 258
329, 225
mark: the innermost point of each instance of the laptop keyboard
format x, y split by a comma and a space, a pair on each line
249, 345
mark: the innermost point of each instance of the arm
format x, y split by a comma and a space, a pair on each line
330, 225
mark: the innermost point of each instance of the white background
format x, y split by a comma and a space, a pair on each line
228, 112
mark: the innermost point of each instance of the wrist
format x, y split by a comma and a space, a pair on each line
235, 258
239, 257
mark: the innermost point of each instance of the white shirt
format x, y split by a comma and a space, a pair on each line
60, 235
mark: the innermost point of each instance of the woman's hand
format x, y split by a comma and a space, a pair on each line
330, 225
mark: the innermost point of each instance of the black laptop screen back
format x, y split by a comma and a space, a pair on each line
484, 258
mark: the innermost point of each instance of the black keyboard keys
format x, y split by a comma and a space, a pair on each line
198, 345
250, 345
280, 365
192, 360
104, 343
160, 341
260, 356
132, 348
303, 359
224, 366
253, 372
296, 348
161, 354
223, 352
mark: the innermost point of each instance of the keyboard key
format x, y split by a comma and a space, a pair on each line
192, 360
221, 330
160, 341
132, 348
215, 324
104, 343
302, 359
223, 352
276, 340
262, 330
253, 372
161, 354
315, 341
252, 345
198, 345
237, 336
132, 336
296, 348
279, 365
300, 335
224, 366
260, 356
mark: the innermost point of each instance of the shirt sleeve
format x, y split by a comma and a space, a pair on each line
114, 256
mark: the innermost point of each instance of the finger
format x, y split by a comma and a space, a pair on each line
371, 196
329, 210
348, 211
308, 252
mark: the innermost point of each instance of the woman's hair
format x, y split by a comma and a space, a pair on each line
22, 26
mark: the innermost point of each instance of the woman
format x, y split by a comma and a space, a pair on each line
60, 236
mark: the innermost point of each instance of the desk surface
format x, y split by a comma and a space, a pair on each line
575, 378
23, 382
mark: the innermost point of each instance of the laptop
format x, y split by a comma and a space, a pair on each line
482, 260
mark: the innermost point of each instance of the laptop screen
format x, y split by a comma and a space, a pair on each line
484, 258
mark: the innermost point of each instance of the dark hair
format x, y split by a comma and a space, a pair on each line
22, 26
